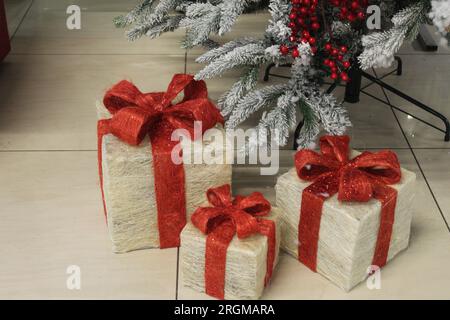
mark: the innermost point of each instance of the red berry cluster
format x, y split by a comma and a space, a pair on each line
351, 10
304, 22
336, 61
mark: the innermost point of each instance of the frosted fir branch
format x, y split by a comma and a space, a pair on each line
229, 12
380, 47
153, 18
201, 20
133, 16
229, 100
168, 24
213, 54
254, 101
310, 129
281, 119
321, 107
277, 28
249, 54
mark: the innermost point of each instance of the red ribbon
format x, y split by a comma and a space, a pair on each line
135, 114
227, 217
365, 177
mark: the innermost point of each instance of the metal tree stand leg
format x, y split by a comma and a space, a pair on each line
353, 90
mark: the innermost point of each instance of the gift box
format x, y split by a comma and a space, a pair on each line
230, 248
147, 195
345, 213
4, 37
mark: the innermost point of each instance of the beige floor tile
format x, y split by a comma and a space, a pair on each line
15, 11
48, 102
52, 218
436, 167
420, 272
44, 31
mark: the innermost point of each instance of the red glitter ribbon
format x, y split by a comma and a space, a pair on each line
365, 177
227, 217
136, 114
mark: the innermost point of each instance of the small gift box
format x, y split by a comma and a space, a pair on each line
345, 214
147, 195
230, 248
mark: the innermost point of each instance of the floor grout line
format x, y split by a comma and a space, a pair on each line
21, 21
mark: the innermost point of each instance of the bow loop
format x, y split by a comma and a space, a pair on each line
336, 147
135, 120
310, 165
220, 196
382, 166
206, 219
255, 204
125, 94
192, 89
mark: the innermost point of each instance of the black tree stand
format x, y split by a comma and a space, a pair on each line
354, 88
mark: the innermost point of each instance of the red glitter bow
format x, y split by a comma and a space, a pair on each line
365, 177
136, 114
242, 216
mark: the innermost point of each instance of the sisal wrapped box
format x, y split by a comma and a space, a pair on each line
129, 187
246, 262
348, 230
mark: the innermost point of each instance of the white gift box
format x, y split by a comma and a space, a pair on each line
129, 191
348, 230
246, 261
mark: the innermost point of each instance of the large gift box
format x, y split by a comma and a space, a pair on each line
230, 248
344, 213
148, 195
4, 37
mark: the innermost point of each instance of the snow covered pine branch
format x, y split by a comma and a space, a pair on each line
321, 38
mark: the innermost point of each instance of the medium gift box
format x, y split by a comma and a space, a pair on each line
345, 214
230, 248
148, 196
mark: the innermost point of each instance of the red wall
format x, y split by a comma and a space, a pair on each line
4, 37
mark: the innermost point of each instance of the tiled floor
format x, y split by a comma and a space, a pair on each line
50, 206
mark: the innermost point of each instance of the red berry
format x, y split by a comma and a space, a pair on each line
346, 64
315, 25
284, 49
328, 46
344, 76
343, 49
295, 53
334, 76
